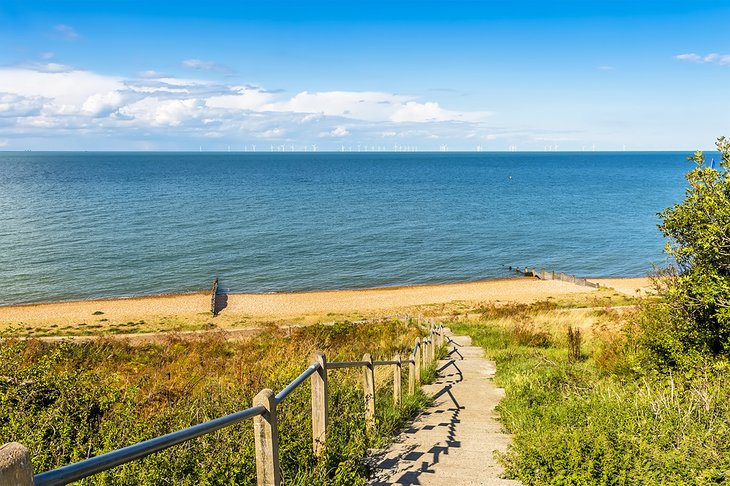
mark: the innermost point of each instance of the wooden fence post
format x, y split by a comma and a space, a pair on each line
15, 465
424, 353
368, 375
266, 438
412, 376
417, 360
320, 413
397, 374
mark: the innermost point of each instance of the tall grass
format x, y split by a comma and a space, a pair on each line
68, 401
607, 418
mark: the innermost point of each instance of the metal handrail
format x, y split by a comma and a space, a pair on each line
74, 472
279, 397
337, 365
79, 470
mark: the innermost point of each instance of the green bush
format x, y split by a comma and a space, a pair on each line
694, 319
575, 424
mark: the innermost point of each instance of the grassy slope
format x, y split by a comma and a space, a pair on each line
67, 401
605, 418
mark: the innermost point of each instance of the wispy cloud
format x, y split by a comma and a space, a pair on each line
202, 65
66, 31
606, 68
712, 58
337, 132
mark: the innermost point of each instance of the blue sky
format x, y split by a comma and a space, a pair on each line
462, 75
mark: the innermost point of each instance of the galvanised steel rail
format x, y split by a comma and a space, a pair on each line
279, 397
88, 467
263, 412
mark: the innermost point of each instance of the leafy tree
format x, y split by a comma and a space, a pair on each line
696, 304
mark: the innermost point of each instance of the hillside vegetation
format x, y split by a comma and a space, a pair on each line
69, 401
638, 397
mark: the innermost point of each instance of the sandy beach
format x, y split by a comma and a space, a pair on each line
192, 311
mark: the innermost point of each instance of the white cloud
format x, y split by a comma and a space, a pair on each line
13, 105
43, 100
159, 112
65, 91
272, 133
337, 132
371, 106
4, 142
202, 65
151, 74
606, 68
47, 55
430, 112
243, 98
66, 31
103, 104
712, 58
361, 105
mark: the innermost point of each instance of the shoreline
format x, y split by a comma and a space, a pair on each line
189, 312
207, 292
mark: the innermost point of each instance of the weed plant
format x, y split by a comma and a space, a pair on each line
70, 401
609, 417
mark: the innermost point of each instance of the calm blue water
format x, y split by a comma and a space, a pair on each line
84, 225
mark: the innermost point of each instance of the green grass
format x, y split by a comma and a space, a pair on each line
607, 418
69, 401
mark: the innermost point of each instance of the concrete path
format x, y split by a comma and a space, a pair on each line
453, 442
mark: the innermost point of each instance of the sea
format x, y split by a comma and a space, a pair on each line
84, 225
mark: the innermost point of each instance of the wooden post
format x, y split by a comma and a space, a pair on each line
213, 294
397, 373
542, 273
320, 413
412, 376
368, 378
432, 348
417, 360
266, 438
15, 465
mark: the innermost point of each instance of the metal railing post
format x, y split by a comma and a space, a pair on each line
15, 465
397, 373
266, 438
320, 412
368, 374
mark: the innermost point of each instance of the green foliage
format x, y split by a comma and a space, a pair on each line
696, 303
69, 401
575, 423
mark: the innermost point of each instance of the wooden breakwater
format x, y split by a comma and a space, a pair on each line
542, 274
214, 298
